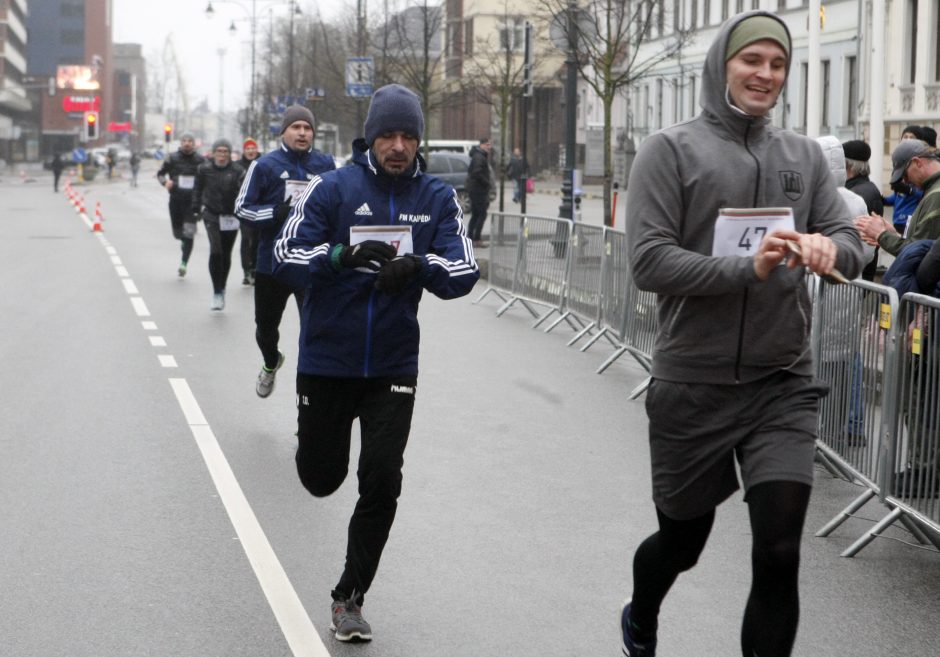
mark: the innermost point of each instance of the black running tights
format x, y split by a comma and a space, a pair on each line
777, 510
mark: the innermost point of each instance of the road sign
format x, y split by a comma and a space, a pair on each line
360, 73
79, 155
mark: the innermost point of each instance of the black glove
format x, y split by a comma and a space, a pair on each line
281, 210
396, 274
371, 254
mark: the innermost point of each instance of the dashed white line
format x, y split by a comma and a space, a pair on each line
301, 635
148, 325
129, 286
122, 272
140, 307
157, 341
116, 260
167, 360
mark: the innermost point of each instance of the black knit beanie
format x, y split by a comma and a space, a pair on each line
394, 108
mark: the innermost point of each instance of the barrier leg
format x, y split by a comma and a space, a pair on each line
620, 351
561, 317
640, 389
580, 334
488, 291
923, 536
873, 533
834, 467
567, 316
604, 333
846, 513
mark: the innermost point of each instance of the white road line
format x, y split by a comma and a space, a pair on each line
167, 360
111, 250
129, 286
116, 260
140, 307
122, 272
157, 341
301, 635
148, 325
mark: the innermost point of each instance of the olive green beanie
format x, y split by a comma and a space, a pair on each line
757, 28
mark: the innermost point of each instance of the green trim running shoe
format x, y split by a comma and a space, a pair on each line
265, 384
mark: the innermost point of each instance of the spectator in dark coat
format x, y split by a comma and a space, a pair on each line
479, 183
857, 154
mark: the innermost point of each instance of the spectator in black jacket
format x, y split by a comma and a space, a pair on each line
479, 183
857, 154
214, 192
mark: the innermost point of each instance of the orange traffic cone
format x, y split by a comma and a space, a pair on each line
96, 227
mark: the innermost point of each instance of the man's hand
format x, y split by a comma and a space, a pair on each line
281, 210
397, 273
371, 254
814, 251
871, 226
168, 184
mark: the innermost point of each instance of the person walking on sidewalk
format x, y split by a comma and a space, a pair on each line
732, 372
178, 175
248, 248
359, 334
518, 172
217, 185
272, 185
479, 184
58, 166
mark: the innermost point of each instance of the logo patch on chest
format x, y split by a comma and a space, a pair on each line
792, 183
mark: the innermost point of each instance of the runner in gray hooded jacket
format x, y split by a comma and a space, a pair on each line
732, 367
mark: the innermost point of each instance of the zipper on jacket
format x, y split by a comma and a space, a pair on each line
737, 357
368, 354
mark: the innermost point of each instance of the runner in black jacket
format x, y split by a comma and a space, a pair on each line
178, 175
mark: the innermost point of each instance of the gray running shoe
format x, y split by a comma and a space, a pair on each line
348, 622
218, 301
182, 269
265, 384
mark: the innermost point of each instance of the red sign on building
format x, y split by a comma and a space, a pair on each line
81, 103
119, 127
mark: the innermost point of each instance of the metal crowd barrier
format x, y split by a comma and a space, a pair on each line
879, 427
910, 481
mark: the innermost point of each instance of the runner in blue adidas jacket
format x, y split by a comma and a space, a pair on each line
271, 187
359, 329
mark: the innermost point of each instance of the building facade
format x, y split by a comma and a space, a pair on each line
17, 141
75, 34
127, 121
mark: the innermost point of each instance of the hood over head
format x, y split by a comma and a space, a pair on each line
714, 98
835, 156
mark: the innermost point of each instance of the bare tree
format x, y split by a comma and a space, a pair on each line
608, 35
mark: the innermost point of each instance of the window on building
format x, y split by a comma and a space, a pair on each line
659, 104
454, 38
706, 13
781, 5
72, 10
72, 37
693, 14
512, 34
738, 6
693, 95
123, 79
824, 110
804, 80
468, 37
676, 15
851, 95
660, 18
725, 7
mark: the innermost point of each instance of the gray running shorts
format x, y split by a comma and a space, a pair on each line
697, 430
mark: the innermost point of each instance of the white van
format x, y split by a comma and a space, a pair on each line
451, 145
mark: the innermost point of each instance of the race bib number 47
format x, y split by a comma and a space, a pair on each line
739, 231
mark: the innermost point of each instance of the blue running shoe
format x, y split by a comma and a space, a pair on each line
630, 647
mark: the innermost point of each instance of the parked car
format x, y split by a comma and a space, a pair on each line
452, 168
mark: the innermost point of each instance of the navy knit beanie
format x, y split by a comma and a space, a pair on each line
394, 108
296, 113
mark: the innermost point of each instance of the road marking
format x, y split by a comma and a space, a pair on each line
116, 260
157, 341
149, 326
167, 360
301, 635
140, 307
122, 272
111, 250
129, 286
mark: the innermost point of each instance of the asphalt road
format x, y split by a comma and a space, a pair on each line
150, 507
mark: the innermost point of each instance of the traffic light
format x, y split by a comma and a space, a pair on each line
90, 126
167, 132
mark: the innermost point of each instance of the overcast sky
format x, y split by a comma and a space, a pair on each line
197, 39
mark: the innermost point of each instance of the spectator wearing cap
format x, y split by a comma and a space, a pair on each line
904, 198
916, 164
217, 184
367, 241
248, 249
273, 184
857, 154
929, 135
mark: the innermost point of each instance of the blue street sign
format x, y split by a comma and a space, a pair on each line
79, 155
360, 73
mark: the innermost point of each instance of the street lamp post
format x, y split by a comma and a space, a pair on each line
253, 17
566, 210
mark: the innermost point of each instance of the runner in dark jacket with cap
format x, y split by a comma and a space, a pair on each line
272, 185
178, 175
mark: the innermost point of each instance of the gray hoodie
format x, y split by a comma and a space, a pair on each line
718, 322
